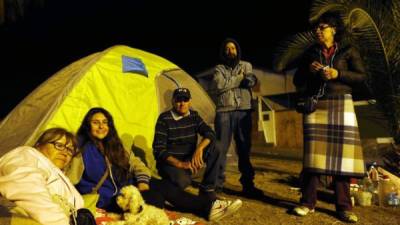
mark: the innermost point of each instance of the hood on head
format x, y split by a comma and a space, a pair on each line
227, 61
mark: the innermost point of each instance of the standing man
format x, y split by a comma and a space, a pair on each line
232, 83
175, 146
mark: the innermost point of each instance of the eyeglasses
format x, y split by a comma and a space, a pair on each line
62, 147
321, 27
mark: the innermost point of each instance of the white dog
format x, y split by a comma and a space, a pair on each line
137, 212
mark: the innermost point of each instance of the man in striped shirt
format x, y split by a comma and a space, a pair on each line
176, 148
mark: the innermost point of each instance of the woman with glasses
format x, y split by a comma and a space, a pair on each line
102, 150
33, 179
332, 146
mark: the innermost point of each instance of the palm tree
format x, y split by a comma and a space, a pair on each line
373, 26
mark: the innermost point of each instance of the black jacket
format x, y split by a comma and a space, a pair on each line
346, 60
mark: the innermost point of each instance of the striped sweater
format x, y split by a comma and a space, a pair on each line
178, 137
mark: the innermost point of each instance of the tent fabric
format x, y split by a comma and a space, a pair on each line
99, 80
19, 126
200, 102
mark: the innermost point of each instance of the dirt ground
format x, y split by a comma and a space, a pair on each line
279, 179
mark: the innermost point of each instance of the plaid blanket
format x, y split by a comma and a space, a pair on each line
332, 143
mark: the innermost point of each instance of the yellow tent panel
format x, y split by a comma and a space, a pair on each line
135, 99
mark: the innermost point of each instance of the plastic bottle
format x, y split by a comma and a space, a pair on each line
364, 195
373, 176
385, 188
373, 173
393, 198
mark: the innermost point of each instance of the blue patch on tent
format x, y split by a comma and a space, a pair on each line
133, 65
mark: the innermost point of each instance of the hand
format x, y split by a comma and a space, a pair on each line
178, 163
197, 159
329, 73
187, 166
143, 187
240, 75
244, 83
315, 67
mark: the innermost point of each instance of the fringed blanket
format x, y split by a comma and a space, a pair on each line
332, 143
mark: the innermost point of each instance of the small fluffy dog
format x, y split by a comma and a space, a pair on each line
137, 212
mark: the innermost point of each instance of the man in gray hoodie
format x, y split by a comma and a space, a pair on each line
232, 83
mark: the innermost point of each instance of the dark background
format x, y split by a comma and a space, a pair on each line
188, 33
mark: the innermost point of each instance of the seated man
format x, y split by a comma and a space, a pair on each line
175, 145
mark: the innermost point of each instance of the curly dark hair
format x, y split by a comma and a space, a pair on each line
333, 19
111, 146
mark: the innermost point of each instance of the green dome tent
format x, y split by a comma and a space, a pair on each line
134, 85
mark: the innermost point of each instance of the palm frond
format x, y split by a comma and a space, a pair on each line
374, 27
290, 50
396, 12
319, 7
366, 33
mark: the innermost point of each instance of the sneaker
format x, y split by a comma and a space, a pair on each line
223, 208
347, 216
302, 210
212, 195
184, 221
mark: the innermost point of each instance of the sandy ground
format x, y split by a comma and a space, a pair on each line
279, 179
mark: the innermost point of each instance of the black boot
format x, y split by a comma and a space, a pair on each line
251, 191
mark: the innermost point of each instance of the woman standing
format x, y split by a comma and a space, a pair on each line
331, 139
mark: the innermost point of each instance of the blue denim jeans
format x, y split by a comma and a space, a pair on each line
183, 178
237, 124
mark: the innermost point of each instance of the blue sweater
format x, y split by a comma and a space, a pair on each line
95, 166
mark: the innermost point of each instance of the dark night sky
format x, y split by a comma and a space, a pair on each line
187, 33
